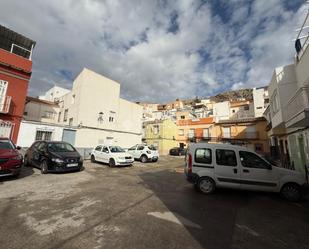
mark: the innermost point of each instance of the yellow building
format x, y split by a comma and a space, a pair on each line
161, 134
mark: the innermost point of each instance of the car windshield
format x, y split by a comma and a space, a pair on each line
6, 145
60, 147
151, 147
116, 149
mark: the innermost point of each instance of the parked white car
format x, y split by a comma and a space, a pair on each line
211, 166
144, 153
113, 155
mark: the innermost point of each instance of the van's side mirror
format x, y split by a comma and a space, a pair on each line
18, 148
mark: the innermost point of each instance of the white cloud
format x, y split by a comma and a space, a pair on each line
135, 43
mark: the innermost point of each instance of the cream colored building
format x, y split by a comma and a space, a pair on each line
54, 93
95, 109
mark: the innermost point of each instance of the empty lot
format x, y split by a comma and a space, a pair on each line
145, 206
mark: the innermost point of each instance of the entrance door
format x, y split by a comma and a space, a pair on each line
69, 136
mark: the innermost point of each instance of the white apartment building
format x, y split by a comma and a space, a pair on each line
54, 93
95, 109
260, 100
289, 107
91, 113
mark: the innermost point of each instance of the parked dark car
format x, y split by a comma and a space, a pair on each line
177, 151
53, 157
11, 161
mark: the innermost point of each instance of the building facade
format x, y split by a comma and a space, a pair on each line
15, 73
97, 114
161, 134
288, 114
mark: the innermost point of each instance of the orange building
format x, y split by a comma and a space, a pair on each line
194, 130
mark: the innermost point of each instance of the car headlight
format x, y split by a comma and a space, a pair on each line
148, 152
19, 157
57, 160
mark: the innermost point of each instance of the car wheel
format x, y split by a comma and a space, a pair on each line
291, 192
111, 163
144, 159
206, 185
44, 167
93, 159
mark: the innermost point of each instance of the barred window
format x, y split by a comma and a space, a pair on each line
43, 135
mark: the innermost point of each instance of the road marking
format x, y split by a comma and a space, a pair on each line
175, 218
248, 230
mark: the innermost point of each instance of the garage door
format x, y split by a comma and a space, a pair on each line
69, 136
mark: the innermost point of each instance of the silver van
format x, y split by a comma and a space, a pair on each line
211, 166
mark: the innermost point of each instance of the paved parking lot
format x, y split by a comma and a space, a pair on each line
144, 206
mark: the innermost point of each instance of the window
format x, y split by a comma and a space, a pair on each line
70, 121
203, 156
259, 147
98, 148
112, 116
251, 160
43, 135
48, 115
233, 111
140, 147
65, 116
191, 133
206, 132
3, 89
59, 117
226, 132
105, 149
226, 157
73, 99
182, 117
111, 119
259, 107
156, 129
42, 146
25, 113
246, 107
133, 148
181, 132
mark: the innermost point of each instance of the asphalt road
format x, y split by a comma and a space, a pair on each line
145, 206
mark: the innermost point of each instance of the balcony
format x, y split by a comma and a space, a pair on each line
5, 105
240, 135
297, 109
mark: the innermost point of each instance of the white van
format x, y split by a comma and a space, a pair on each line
211, 166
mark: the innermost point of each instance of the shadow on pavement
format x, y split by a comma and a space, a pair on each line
25, 171
222, 214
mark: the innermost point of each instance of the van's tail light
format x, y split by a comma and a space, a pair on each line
189, 163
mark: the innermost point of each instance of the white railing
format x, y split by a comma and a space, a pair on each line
302, 35
5, 105
298, 103
22, 48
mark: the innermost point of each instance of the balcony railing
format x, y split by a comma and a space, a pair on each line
298, 103
5, 105
240, 135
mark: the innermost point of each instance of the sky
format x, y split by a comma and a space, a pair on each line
158, 50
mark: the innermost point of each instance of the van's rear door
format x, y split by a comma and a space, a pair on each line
227, 167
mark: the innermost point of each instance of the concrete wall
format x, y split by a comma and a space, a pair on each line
28, 131
87, 137
35, 112
302, 72
221, 111
258, 101
54, 93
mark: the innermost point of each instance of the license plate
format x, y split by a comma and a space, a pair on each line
72, 164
